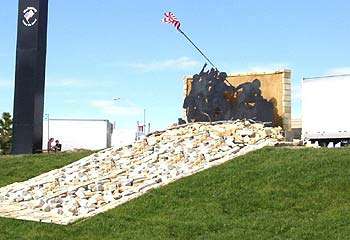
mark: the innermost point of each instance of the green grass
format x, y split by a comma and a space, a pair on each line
22, 167
274, 193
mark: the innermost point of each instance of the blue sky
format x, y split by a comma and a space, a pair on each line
98, 50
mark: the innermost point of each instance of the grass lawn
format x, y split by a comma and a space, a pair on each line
274, 193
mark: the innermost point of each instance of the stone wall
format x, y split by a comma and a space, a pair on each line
275, 87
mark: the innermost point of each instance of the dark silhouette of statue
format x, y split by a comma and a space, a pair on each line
212, 98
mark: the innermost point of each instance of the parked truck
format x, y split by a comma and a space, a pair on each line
326, 110
93, 134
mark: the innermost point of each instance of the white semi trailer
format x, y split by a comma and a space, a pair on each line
90, 134
326, 110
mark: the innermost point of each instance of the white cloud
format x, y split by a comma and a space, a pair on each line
169, 64
111, 108
339, 71
270, 67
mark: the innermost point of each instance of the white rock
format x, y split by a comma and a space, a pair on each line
19, 199
58, 211
83, 202
92, 206
80, 193
38, 203
108, 197
83, 210
245, 132
72, 208
152, 141
46, 207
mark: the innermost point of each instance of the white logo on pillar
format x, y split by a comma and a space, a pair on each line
29, 18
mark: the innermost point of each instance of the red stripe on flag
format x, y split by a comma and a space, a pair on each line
171, 19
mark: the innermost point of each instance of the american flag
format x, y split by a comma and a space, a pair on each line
170, 18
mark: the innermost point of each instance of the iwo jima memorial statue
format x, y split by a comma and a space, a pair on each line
212, 98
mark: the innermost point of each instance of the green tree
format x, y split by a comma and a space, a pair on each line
5, 133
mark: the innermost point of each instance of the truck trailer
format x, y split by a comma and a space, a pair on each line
92, 134
325, 110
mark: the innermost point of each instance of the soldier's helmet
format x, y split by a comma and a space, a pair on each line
256, 83
195, 77
222, 76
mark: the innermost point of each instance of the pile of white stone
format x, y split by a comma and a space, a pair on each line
113, 176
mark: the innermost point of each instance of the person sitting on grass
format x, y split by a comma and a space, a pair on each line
58, 146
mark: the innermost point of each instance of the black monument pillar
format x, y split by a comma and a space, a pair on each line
30, 76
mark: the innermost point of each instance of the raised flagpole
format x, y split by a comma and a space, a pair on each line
170, 18
206, 58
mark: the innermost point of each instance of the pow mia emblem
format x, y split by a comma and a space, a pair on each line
29, 18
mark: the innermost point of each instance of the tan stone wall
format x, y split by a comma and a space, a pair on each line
275, 87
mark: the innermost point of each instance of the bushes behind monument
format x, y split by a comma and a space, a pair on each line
5, 133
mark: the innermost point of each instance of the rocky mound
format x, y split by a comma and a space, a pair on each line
113, 176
